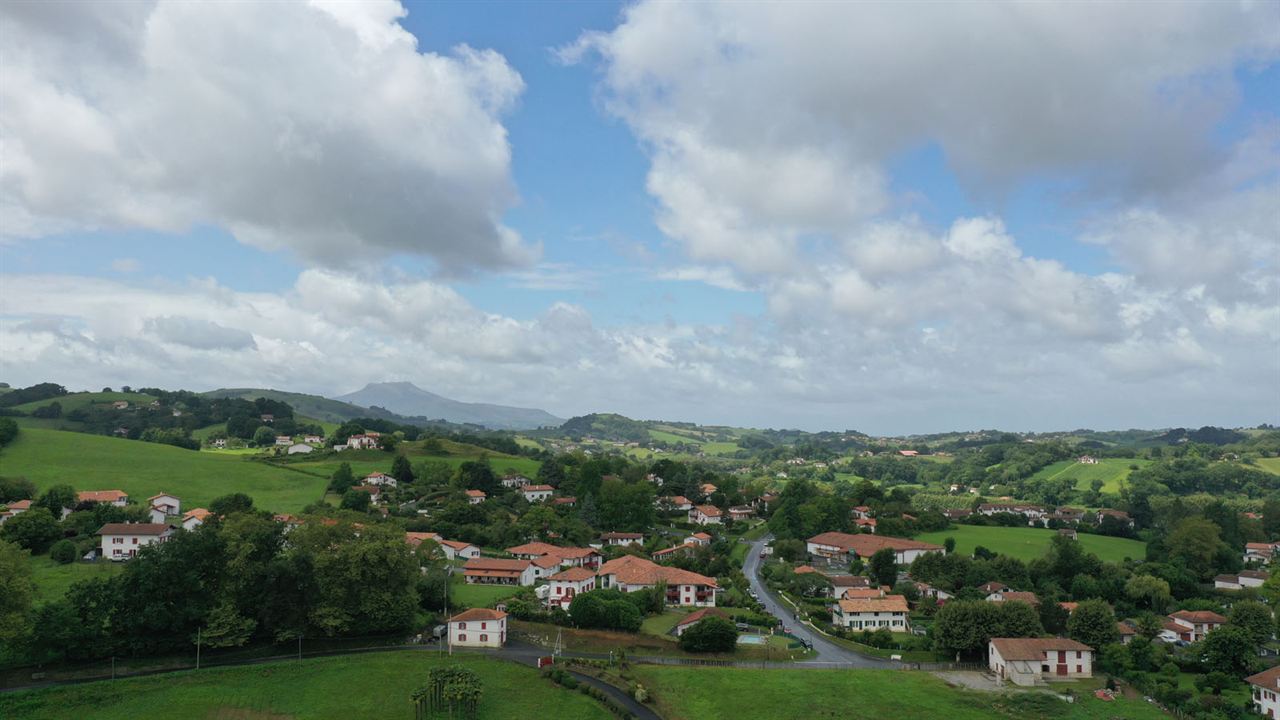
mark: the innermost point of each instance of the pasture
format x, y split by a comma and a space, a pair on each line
98, 462
352, 687
1028, 543
1271, 465
75, 401
712, 693
1111, 471
54, 579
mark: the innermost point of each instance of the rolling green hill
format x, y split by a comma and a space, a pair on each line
75, 401
1111, 471
1027, 543
96, 462
313, 406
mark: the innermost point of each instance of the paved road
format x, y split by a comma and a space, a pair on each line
828, 653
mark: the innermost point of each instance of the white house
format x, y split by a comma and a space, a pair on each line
514, 481
1246, 579
700, 539
743, 512
842, 546
312, 439
537, 493
622, 538
475, 497
1259, 552
166, 503
454, 549
1087, 460
872, 613
1191, 625
1266, 692
378, 478
121, 541
299, 449
705, 515
194, 518
283, 441
566, 557
478, 627
16, 507
119, 498
630, 573
362, 442
1032, 661
566, 584
493, 571
674, 503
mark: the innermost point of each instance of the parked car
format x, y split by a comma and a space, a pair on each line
763, 555
742, 627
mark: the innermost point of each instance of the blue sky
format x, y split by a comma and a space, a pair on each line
1039, 215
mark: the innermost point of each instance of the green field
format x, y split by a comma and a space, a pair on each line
1027, 543
667, 437
462, 593
97, 462
1271, 465
75, 401
351, 687
54, 579
704, 693
1111, 471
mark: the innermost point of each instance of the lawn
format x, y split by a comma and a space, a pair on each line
661, 625
463, 593
1111, 471
1027, 543
98, 462
707, 693
352, 687
1271, 465
54, 579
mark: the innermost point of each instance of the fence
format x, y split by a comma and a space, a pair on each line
933, 666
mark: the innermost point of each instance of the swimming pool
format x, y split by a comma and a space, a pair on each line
752, 639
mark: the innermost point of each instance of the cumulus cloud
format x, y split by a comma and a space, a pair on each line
198, 334
317, 128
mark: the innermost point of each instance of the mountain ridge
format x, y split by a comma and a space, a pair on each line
407, 399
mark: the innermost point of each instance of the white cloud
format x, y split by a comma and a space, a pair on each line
126, 265
317, 128
720, 277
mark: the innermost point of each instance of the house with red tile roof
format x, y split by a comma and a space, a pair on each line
119, 498
478, 627
494, 571
841, 547
565, 585
1266, 692
621, 539
475, 497
695, 617
1032, 661
673, 503
1190, 625
122, 541
194, 518
537, 493
871, 613
1014, 596
630, 573
700, 539
705, 515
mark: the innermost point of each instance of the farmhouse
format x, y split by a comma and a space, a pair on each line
283, 441
927, 590
681, 550
860, 512
112, 497
454, 549
705, 515
380, 479
564, 585
700, 539
630, 573
866, 524
375, 493
537, 493
514, 481
1117, 515
312, 439
695, 617
1032, 661
621, 538
1266, 692
478, 627
1246, 579
674, 503
491, 571
1087, 460
742, 512
872, 613
842, 546
362, 442
1259, 552
194, 518
15, 508
1032, 513
707, 489
564, 556
121, 541
475, 497
1191, 625
165, 503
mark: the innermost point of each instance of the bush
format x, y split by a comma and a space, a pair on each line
710, 634
63, 551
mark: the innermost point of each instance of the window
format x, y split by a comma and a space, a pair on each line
462, 626
462, 637
135, 541
484, 625
484, 638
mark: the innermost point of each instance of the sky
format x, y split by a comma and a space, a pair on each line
889, 217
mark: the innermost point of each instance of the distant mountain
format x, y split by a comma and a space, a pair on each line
410, 400
312, 406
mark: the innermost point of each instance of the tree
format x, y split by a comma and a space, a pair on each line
1254, 619
451, 691
16, 488
474, 475
1053, 617
884, 567
1148, 591
1093, 623
17, 590
710, 634
342, 479
789, 550
226, 627
264, 436
401, 470
57, 498
63, 552
388, 442
965, 626
1019, 619
8, 431
1193, 543
949, 544
357, 500
228, 505
1229, 650
35, 530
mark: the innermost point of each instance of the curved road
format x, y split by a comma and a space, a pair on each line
828, 653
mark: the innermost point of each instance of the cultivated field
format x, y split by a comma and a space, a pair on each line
351, 687
700, 693
1111, 471
97, 462
1027, 543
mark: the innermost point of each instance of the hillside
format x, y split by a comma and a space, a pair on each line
409, 400
75, 401
312, 406
96, 462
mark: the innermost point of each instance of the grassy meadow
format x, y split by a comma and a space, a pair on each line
708, 693
462, 593
352, 687
75, 401
54, 579
1111, 471
98, 462
1271, 465
1028, 543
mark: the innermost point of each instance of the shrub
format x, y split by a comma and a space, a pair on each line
710, 634
63, 551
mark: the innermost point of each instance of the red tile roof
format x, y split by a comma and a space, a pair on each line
632, 570
697, 615
708, 510
134, 529
573, 574
478, 614
20, 505
1198, 616
1034, 648
101, 495
889, 603
867, 545
1269, 679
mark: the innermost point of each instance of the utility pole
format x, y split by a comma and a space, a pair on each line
113, 667
299, 647
197, 648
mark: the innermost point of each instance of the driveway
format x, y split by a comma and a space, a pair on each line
828, 653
